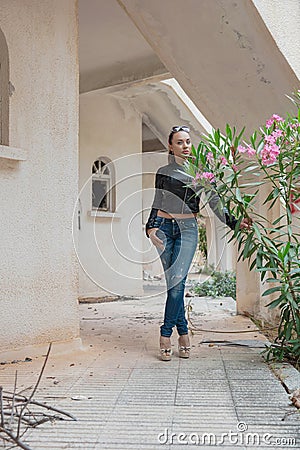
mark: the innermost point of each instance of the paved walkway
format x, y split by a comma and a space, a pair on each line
124, 397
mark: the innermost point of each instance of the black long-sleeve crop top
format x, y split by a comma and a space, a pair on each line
174, 197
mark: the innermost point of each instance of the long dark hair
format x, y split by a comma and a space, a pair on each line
170, 138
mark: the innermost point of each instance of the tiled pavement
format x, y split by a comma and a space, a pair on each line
124, 397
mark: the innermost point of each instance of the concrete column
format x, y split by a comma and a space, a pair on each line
39, 274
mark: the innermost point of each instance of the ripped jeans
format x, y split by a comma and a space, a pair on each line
180, 237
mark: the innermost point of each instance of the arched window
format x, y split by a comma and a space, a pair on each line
103, 185
4, 91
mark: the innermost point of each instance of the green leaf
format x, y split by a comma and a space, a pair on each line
268, 269
241, 134
259, 259
278, 219
273, 194
274, 303
286, 250
250, 168
253, 183
253, 139
217, 137
238, 195
271, 290
228, 132
253, 264
248, 245
257, 232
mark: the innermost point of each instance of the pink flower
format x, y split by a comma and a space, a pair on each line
295, 125
224, 161
270, 139
269, 154
277, 118
268, 159
195, 180
210, 156
274, 149
234, 167
251, 151
203, 176
277, 133
248, 149
274, 118
208, 176
242, 149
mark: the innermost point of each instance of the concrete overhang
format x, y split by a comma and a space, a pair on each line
221, 53
111, 49
161, 106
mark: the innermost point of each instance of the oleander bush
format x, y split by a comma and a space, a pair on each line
248, 175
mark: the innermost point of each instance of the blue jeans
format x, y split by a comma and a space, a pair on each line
180, 237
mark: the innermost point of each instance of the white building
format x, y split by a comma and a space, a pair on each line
234, 59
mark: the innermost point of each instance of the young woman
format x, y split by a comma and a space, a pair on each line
172, 228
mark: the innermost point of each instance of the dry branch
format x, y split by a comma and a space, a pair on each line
1, 407
295, 397
16, 417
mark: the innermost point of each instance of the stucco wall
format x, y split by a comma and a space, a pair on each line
151, 162
110, 249
283, 22
38, 282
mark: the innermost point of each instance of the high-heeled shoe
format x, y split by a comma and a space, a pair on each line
165, 354
183, 350
165, 349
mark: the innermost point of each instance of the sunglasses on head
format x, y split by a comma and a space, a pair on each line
179, 128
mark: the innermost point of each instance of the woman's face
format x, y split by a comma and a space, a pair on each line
181, 144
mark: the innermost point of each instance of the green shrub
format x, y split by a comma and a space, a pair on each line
220, 284
208, 269
202, 241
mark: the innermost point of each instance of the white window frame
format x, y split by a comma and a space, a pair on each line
104, 165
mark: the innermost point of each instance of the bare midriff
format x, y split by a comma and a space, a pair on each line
161, 213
